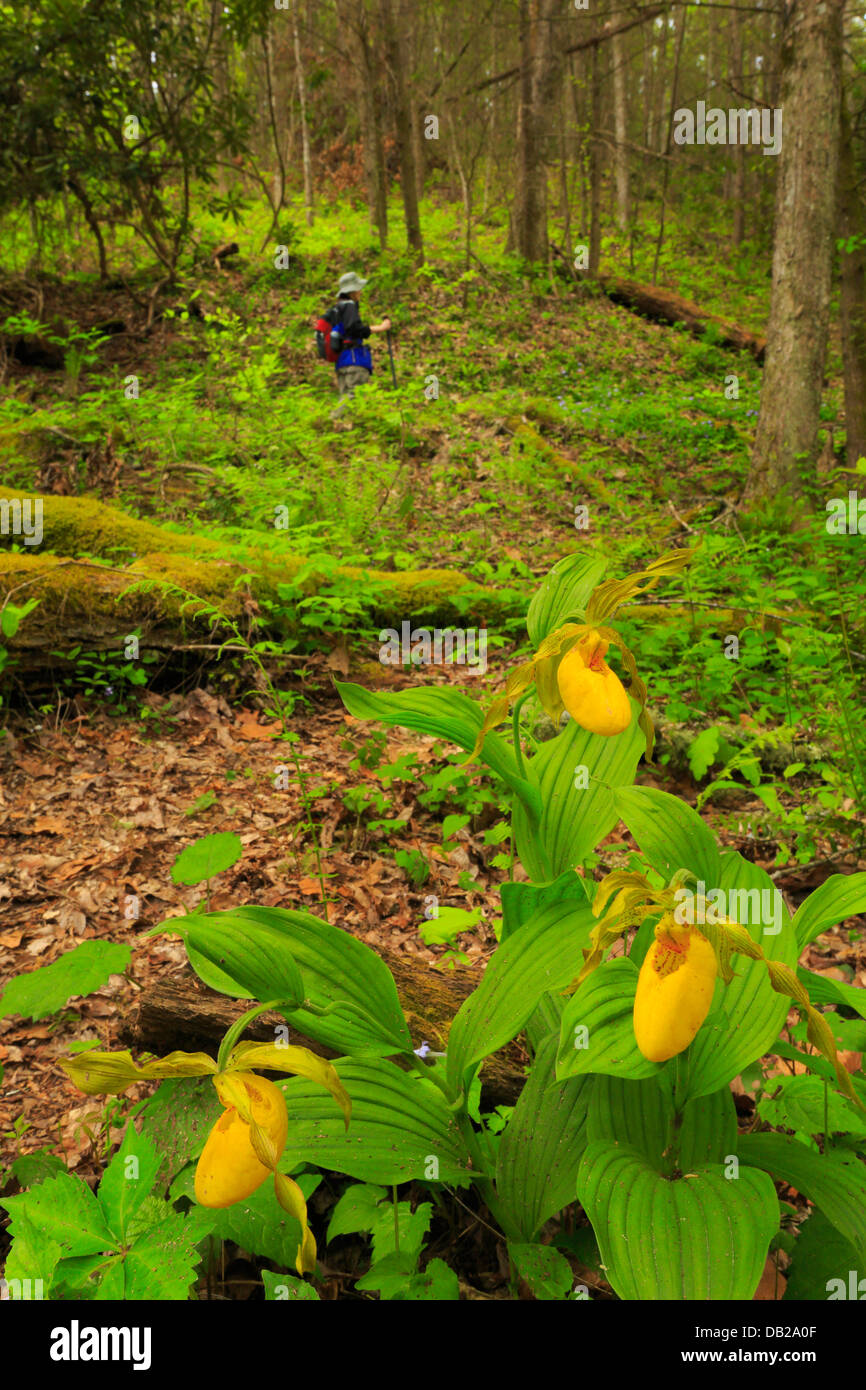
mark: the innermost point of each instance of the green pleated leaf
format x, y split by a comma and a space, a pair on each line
822, 1265
259, 1224
823, 990
691, 1238
333, 966
709, 1130
244, 953
213, 977
843, 895
574, 819
401, 1127
669, 832
521, 900
545, 954
545, 1019
640, 1113
749, 1014
540, 1151
834, 1181
446, 714
564, 594
597, 1026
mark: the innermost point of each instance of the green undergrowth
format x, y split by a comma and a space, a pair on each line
530, 417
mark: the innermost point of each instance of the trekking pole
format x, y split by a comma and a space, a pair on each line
391, 355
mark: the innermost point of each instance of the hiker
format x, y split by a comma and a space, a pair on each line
346, 346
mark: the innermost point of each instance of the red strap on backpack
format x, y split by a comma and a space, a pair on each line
323, 340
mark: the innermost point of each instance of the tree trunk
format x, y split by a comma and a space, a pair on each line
739, 150
277, 196
595, 164
395, 49
490, 156
664, 306
712, 50
352, 19
681, 22
564, 198
305, 130
852, 295
661, 113
92, 221
530, 205
803, 250
620, 114
648, 86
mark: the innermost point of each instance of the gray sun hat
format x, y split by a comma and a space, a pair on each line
351, 282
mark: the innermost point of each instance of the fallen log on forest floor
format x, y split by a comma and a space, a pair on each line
184, 1014
665, 306
140, 577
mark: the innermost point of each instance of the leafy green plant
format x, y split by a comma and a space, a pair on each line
637, 1125
122, 1243
11, 617
397, 1235
46, 989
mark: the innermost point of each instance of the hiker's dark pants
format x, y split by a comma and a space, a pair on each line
350, 377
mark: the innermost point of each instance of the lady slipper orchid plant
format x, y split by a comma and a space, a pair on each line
245, 1144
677, 979
569, 669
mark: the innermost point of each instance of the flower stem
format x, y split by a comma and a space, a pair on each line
515, 732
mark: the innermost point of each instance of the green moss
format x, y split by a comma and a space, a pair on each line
84, 526
75, 526
82, 601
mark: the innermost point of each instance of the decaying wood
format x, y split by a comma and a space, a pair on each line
228, 248
664, 306
185, 1014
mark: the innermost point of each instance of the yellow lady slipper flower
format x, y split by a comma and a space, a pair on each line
674, 990
245, 1144
229, 1170
677, 980
592, 693
568, 667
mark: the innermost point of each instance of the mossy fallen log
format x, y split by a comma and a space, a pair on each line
99, 574
184, 1014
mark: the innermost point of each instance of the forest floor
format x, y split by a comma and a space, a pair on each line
549, 398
